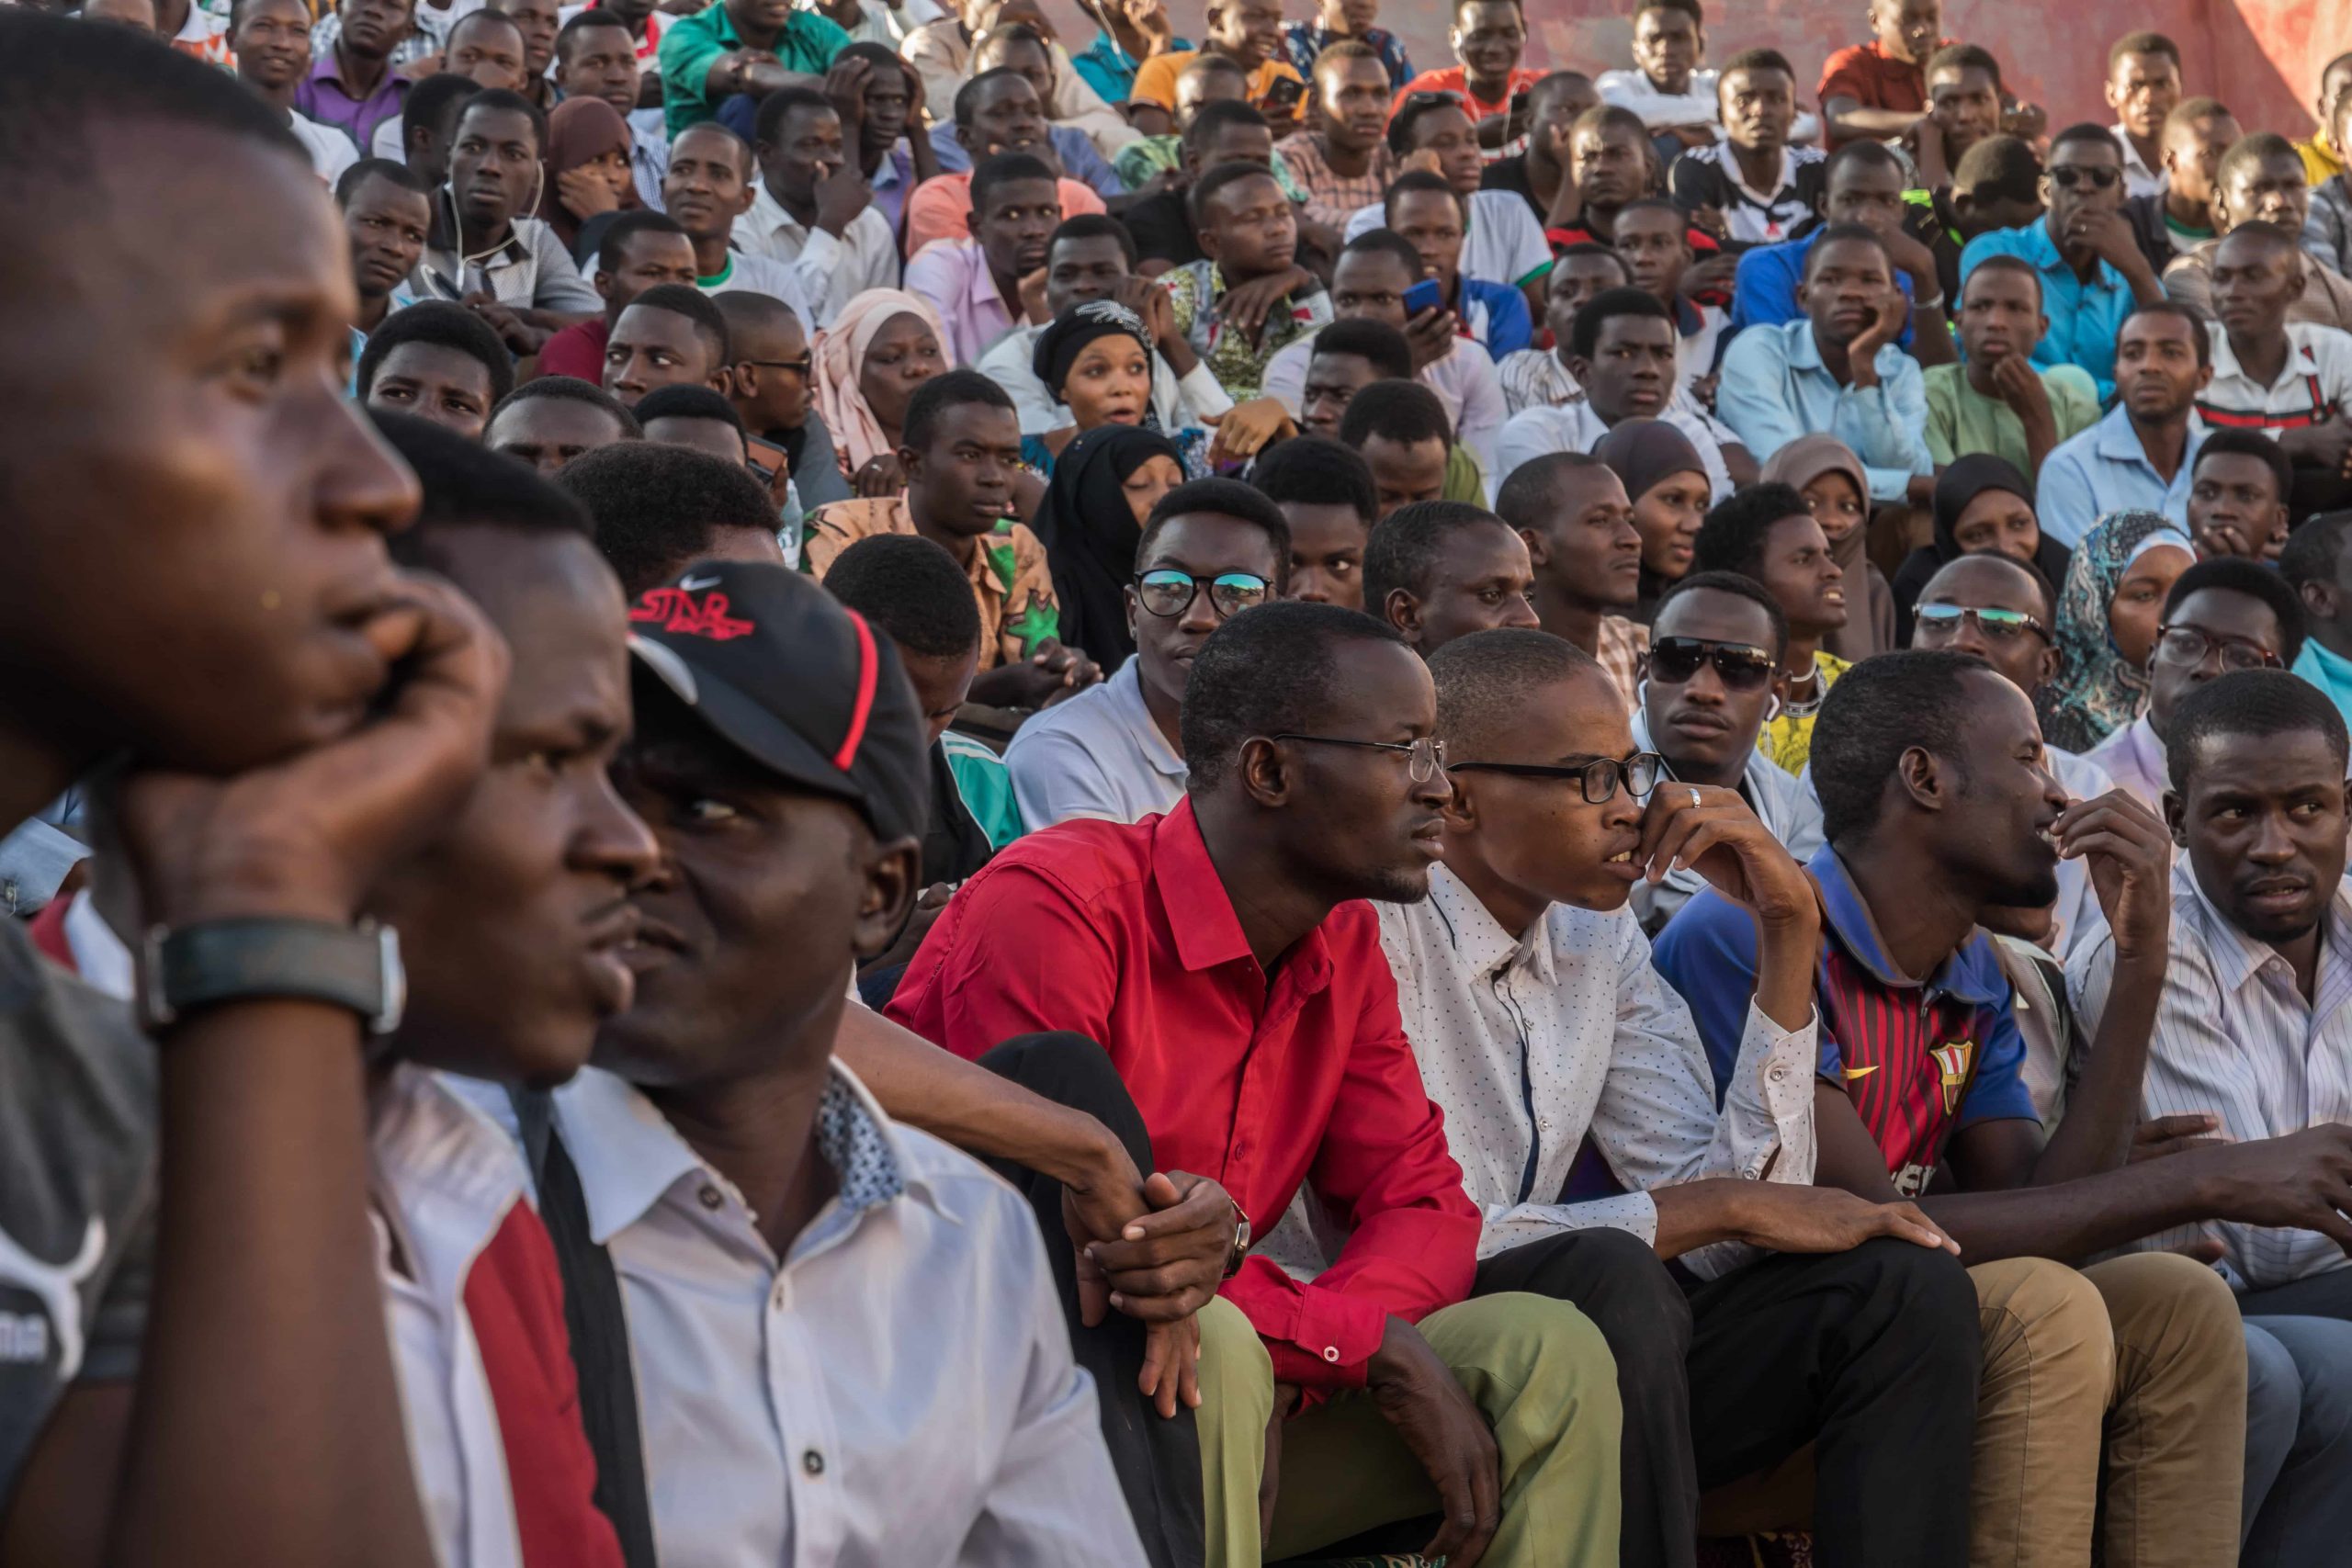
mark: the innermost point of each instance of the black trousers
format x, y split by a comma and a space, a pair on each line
1872, 1355
1158, 1460
2315, 1295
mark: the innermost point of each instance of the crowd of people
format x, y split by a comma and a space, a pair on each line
831, 781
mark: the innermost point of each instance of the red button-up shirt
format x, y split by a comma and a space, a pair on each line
1125, 933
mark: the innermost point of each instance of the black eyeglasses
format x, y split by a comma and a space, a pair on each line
1598, 776
2188, 646
1424, 759
800, 367
2001, 625
2099, 177
1168, 593
1741, 667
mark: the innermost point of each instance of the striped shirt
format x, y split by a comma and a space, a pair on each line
2234, 1037
1919, 1060
2313, 386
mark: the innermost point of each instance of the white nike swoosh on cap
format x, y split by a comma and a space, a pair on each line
697, 584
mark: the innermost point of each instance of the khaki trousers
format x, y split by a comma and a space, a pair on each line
1537, 1368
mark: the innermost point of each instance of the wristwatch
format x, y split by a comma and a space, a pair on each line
1234, 1259
203, 966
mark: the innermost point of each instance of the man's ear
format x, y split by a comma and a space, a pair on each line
1539, 548
911, 461
603, 283
722, 381
1579, 367
1266, 771
1460, 809
1128, 594
2319, 598
2049, 667
1401, 610
1919, 775
893, 877
2177, 817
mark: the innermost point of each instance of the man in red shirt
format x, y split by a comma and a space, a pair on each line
638, 251
1221, 956
1490, 38
1878, 89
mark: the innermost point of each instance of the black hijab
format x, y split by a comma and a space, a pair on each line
1090, 534
1962, 483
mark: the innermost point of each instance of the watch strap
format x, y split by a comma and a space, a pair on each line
357, 967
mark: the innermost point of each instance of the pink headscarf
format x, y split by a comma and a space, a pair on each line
840, 354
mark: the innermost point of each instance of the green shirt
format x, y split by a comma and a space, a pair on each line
807, 43
986, 786
1961, 419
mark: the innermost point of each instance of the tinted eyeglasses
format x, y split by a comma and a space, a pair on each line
1741, 667
1167, 593
2098, 177
1424, 759
800, 367
2188, 646
2000, 626
1598, 777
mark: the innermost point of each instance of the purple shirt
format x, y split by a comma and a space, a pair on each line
953, 276
322, 97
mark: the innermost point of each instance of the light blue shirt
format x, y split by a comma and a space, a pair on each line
1080, 161
2331, 672
1775, 388
2104, 470
2084, 317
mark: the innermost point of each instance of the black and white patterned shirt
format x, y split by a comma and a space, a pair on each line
1709, 176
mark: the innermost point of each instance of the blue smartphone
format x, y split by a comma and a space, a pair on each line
1423, 295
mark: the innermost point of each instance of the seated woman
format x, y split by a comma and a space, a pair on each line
2108, 614
1105, 483
1983, 503
1667, 482
585, 171
1095, 360
885, 343
1832, 481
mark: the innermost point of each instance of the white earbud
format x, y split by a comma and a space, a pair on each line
1774, 711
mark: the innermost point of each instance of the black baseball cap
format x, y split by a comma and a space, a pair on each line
797, 683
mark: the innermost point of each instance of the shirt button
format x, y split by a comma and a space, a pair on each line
813, 1462
709, 1197
779, 1296
1331, 1353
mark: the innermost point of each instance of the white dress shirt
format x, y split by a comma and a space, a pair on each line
1463, 381
833, 271
1573, 426
896, 1390
1177, 405
1785, 804
1098, 755
2138, 179
2134, 759
1529, 1042
2235, 1038
330, 151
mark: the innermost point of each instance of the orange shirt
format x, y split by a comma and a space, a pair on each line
941, 208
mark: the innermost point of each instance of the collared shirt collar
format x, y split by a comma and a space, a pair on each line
1200, 911
1803, 352
638, 1157
2046, 256
2236, 957
442, 235
1479, 939
2297, 365
1972, 974
768, 214
2120, 443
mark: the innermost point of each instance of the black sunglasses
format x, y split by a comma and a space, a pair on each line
2072, 175
1598, 777
1741, 667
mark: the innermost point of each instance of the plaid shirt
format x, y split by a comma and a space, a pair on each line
1010, 582
1332, 197
1238, 365
1621, 648
1305, 41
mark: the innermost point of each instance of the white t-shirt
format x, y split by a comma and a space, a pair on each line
1573, 426
1503, 243
1097, 755
330, 151
748, 274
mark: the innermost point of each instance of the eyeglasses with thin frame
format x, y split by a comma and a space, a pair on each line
1598, 777
1168, 593
1424, 758
2099, 175
2188, 646
1740, 666
2002, 626
800, 367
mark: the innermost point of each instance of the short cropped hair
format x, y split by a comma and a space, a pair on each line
1213, 183
967, 96
1964, 57
1388, 242
1221, 498
1488, 681
1377, 342
2142, 42
1866, 153
626, 226
1094, 226
1212, 117
1529, 493
1004, 169
684, 401
657, 507
585, 21
2016, 266
2250, 444
1739, 587
498, 100
948, 390
1845, 234
913, 589
570, 389
1879, 709
2250, 149
1416, 107
2232, 575
1229, 699
435, 103
1319, 471
2313, 549
1399, 410
685, 300
1404, 547
1757, 59
466, 485
347, 185
1417, 181
1732, 535
2258, 704
2086, 133
768, 120
2001, 168
2196, 319
445, 324
1584, 331
2188, 111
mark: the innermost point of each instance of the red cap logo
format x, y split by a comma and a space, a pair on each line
677, 611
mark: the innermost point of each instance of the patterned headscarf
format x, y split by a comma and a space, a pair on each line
840, 354
2097, 691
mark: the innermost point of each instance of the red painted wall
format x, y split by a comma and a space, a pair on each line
2261, 57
